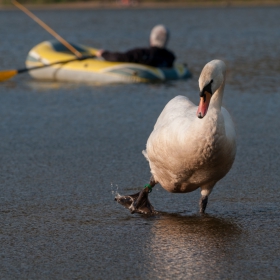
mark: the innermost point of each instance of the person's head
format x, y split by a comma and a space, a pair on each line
159, 36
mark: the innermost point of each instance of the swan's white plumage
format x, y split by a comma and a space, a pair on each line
185, 152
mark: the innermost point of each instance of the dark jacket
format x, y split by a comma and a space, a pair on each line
152, 56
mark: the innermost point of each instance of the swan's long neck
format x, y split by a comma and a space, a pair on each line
217, 98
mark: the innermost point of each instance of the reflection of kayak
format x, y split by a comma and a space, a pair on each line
93, 69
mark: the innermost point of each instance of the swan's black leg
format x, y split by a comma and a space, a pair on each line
203, 203
139, 202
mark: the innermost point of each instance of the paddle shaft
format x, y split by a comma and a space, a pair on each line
58, 62
48, 29
8, 74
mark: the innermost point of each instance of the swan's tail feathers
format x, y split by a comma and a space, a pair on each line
137, 203
144, 152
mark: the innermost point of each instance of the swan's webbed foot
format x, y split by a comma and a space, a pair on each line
203, 203
139, 202
136, 203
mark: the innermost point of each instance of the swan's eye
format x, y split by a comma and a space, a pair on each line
207, 88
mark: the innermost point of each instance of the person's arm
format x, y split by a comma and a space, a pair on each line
135, 55
111, 56
116, 56
149, 56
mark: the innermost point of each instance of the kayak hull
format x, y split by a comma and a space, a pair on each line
93, 70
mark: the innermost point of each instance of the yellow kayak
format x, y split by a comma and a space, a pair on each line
94, 70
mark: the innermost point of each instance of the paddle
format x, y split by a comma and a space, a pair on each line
48, 29
8, 74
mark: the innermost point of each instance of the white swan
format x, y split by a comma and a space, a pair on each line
190, 147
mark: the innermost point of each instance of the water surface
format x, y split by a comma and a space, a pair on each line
67, 149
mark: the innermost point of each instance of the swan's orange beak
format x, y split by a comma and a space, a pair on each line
203, 104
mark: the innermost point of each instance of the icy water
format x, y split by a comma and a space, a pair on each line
67, 149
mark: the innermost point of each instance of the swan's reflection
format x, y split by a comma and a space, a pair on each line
191, 245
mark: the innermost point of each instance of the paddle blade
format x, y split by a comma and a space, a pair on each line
6, 75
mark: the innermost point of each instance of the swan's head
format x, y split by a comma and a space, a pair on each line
211, 79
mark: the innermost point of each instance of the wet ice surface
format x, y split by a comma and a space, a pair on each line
68, 149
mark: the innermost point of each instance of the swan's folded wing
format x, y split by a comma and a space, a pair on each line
179, 106
170, 132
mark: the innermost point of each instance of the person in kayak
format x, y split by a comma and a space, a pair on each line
156, 55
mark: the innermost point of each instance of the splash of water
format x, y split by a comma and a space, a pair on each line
114, 190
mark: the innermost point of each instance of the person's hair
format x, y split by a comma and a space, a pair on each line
159, 36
